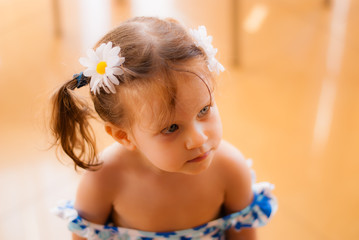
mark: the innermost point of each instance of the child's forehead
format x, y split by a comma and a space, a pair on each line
159, 109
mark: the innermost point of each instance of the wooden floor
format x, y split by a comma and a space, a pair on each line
291, 103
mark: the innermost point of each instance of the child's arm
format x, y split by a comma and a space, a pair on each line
94, 198
243, 234
76, 237
238, 192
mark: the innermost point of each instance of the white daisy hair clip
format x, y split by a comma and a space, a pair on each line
103, 64
205, 42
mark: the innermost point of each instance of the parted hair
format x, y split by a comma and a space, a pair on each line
154, 50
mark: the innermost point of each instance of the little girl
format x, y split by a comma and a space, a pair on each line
169, 175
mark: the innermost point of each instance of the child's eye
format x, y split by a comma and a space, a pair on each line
170, 129
204, 111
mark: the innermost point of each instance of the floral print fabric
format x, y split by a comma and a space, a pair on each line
257, 214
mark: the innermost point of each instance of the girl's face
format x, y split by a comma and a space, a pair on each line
187, 144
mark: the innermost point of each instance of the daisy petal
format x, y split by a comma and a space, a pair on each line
219, 67
115, 51
113, 61
86, 62
108, 47
99, 51
95, 81
122, 60
117, 71
92, 55
106, 50
97, 90
106, 89
94, 89
108, 71
89, 72
113, 79
202, 29
109, 85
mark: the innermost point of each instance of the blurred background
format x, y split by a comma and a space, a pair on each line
289, 100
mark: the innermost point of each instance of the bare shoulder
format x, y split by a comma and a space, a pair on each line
112, 159
97, 189
229, 159
236, 176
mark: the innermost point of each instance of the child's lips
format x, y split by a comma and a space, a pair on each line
201, 157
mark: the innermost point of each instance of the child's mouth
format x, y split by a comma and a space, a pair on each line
201, 157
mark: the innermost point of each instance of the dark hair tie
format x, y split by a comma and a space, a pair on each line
81, 80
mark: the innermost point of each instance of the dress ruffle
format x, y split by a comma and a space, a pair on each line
257, 214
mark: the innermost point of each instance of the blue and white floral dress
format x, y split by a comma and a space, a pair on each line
257, 214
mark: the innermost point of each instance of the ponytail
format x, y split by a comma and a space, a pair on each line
71, 127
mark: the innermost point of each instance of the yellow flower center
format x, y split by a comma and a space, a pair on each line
101, 67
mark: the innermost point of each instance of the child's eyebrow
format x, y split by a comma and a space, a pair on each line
205, 103
157, 126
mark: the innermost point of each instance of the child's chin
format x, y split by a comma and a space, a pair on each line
197, 168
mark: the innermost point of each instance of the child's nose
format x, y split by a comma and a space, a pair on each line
196, 137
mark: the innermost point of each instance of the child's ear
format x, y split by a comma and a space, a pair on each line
120, 136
